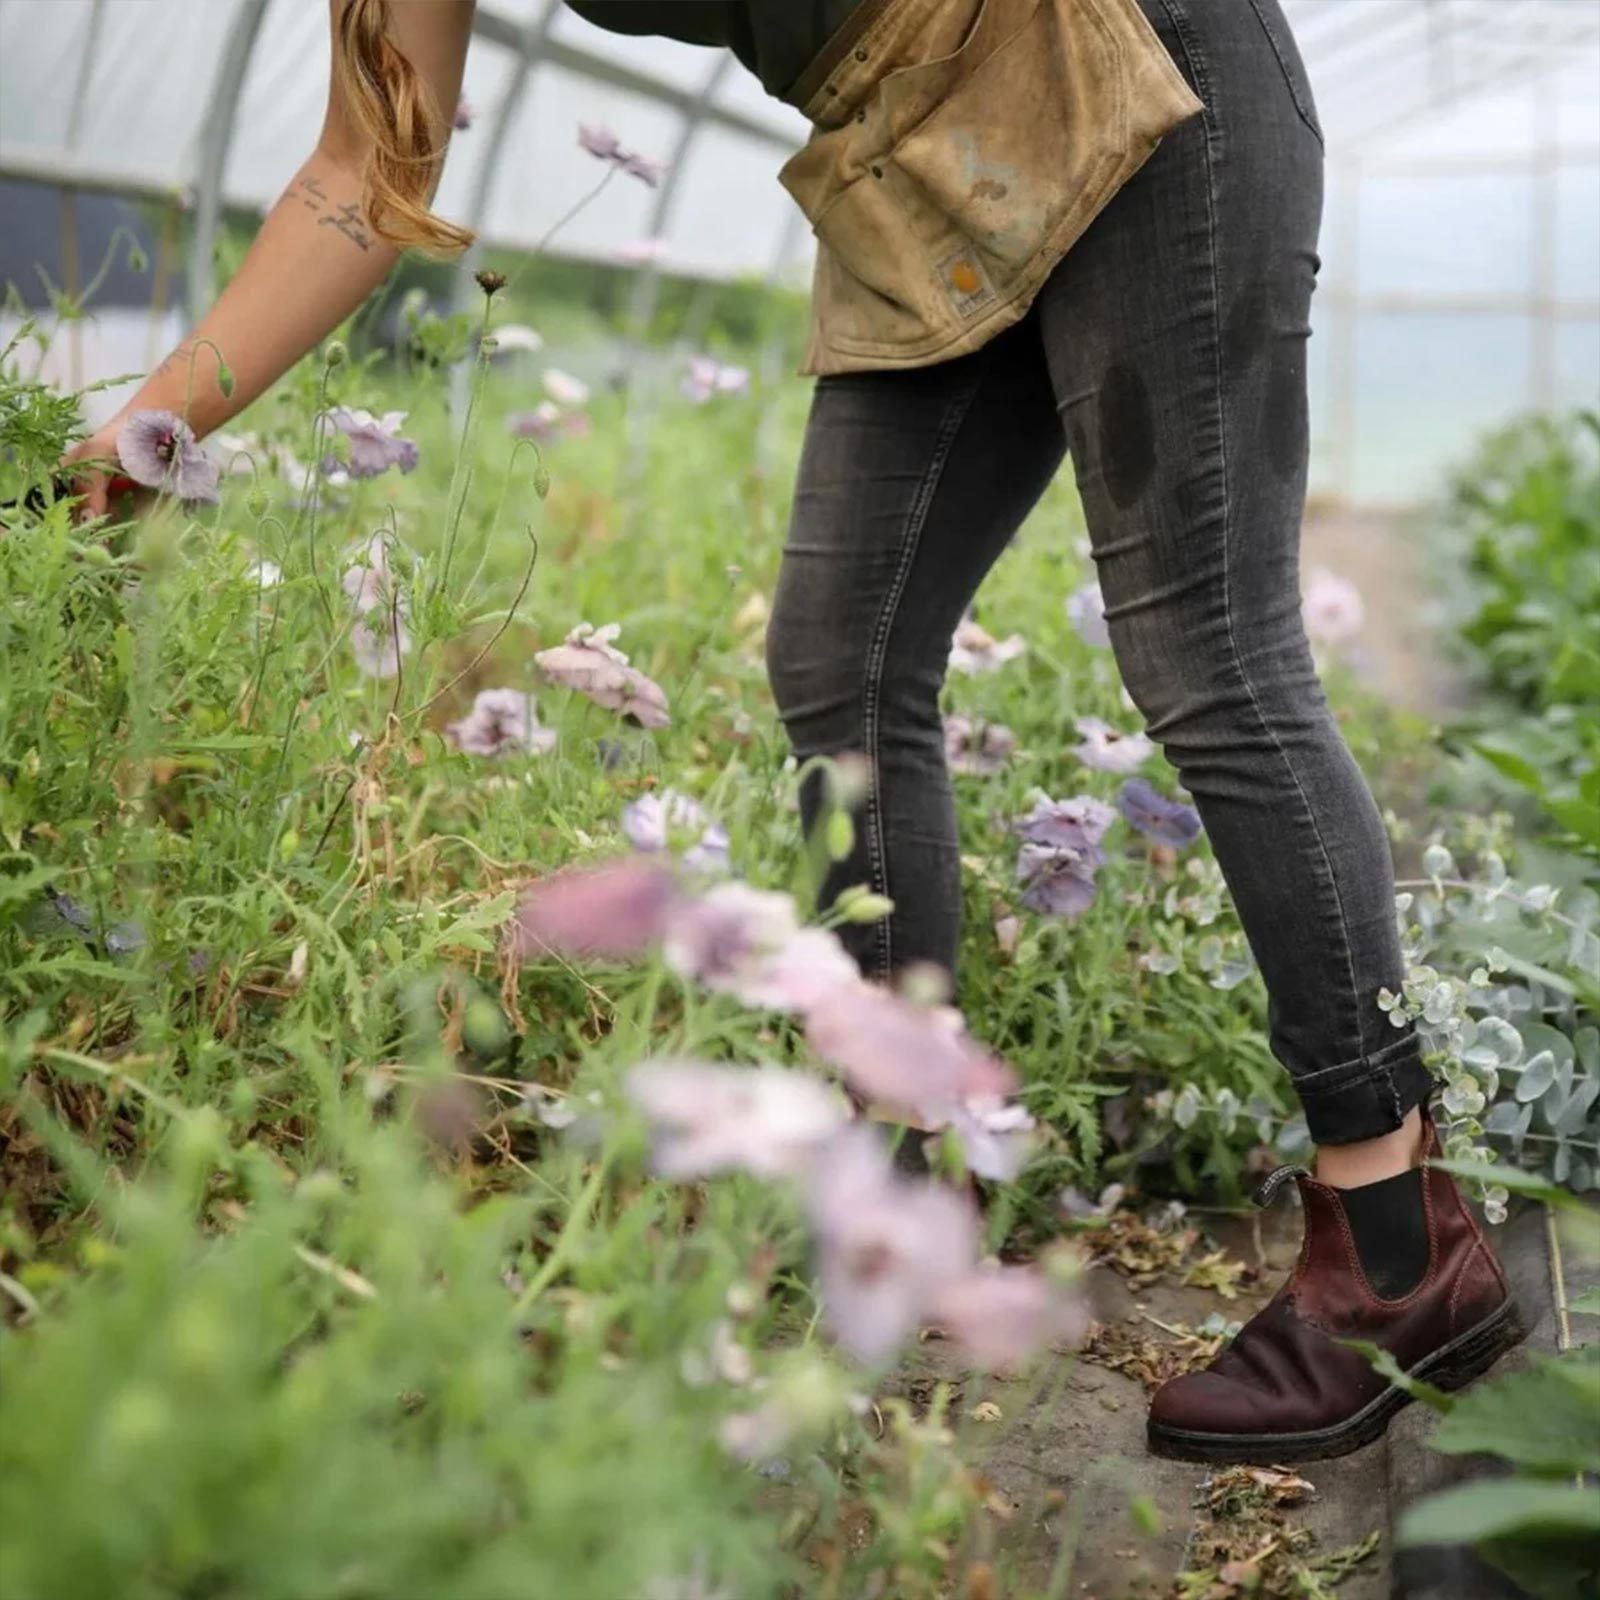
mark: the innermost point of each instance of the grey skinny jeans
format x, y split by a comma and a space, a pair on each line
1167, 355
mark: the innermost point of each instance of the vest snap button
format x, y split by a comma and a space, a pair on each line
877, 172
861, 116
861, 55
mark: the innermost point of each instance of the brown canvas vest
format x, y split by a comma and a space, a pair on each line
959, 148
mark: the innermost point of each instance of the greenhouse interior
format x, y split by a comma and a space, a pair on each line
800, 798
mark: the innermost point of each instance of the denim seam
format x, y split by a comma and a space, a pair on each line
1180, 27
877, 656
1358, 1068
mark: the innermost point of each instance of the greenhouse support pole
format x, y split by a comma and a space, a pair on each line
68, 198
1542, 285
647, 280
215, 141
529, 52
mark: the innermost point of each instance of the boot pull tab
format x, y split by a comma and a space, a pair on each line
1275, 1180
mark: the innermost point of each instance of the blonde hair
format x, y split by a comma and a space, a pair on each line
393, 108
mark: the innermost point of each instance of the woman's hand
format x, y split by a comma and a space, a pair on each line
93, 481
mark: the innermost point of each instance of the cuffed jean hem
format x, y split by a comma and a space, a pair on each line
1367, 1097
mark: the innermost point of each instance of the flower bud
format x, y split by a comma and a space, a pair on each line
490, 282
868, 907
337, 353
841, 835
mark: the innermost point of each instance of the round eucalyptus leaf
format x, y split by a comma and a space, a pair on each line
1537, 1076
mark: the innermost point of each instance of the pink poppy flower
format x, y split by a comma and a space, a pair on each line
375, 443
514, 338
1169, 822
973, 649
604, 145
380, 643
1107, 750
380, 637
888, 1249
977, 749
159, 450
719, 937
614, 912
707, 1118
1332, 608
1002, 1316
563, 388
1086, 610
807, 970
706, 378
501, 721
589, 664
918, 1060
547, 422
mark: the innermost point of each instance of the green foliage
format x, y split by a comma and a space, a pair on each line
1528, 513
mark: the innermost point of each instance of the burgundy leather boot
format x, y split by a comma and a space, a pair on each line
1285, 1389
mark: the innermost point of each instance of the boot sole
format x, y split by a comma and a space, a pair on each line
1450, 1367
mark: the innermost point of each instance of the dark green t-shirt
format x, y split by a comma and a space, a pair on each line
776, 39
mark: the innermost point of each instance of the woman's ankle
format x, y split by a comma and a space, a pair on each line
1349, 1166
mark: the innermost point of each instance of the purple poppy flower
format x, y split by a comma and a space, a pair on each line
1156, 817
159, 450
977, 749
501, 721
548, 422
380, 643
604, 145
1079, 823
1058, 882
708, 1118
375, 442
615, 912
588, 663
995, 1135
1106, 749
1086, 610
651, 820
380, 637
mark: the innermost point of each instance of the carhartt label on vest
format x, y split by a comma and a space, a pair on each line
965, 282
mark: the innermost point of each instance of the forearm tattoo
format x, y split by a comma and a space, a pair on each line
344, 217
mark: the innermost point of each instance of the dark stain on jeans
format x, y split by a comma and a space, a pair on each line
1244, 335
1127, 434
1285, 424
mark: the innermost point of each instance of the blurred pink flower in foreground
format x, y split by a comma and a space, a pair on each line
1003, 1315
604, 145
887, 1247
918, 1060
1107, 749
618, 911
514, 338
995, 1135
977, 749
501, 721
589, 664
708, 1118
462, 120
159, 450
1332, 608
706, 378
563, 388
973, 649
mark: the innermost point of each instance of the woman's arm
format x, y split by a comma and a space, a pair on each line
318, 254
